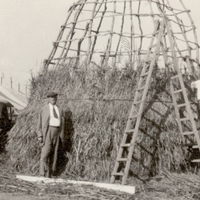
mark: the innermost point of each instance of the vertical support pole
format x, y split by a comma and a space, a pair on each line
51, 56
109, 44
121, 34
132, 60
90, 32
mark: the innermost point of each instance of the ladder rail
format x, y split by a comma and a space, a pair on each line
141, 109
189, 111
182, 84
176, 107
132, 110
141, 106
143, 69
135, 115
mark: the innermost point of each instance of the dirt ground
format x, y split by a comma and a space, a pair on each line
7, 196
14, 196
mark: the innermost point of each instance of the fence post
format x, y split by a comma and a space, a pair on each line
11, 82
19, 87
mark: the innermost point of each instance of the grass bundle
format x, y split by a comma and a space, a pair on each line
170, 186
97, 103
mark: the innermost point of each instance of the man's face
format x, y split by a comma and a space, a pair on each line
53, 100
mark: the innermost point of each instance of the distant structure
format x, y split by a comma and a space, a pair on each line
110, 32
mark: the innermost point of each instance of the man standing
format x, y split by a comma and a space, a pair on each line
50, 129
196, 85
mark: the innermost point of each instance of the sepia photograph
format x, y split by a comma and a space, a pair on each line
99, 100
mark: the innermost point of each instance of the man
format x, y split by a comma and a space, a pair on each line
196, 85
50, 129
185, 67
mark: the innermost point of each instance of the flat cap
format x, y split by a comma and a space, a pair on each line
52, 94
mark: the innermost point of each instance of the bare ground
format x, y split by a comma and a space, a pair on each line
167, 186
7, 196
12, 188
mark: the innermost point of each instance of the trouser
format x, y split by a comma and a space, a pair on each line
49, 152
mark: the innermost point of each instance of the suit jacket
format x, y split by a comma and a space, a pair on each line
43, 123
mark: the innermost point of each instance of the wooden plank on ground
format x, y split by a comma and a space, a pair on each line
36, 179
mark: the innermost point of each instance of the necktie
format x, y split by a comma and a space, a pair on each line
54, 113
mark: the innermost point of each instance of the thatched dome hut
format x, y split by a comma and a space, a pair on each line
97, 100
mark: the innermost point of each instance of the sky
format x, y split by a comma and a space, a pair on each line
28, 28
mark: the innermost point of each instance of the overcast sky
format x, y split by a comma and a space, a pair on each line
28, 28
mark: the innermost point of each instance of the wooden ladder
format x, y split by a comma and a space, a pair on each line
186, 123
126, 149
184, 113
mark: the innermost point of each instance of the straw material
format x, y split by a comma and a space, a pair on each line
97, 104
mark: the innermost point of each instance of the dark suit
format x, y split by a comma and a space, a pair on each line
50, 143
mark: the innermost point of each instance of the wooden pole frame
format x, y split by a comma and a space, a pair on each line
68, 45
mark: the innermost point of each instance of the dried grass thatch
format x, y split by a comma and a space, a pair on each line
170, 186
97, 104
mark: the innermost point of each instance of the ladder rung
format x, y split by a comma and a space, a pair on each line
178, 91
145, 74
174, 77
118, 174
188, 133
184, 119
141, 88
195, 160
181, 105
137, 102
134, 116
122, 159
195, 146
130, 131
125, 145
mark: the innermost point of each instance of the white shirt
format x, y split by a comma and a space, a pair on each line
196, 84
52, 120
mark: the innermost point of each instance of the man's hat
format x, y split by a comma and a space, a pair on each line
52, 94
